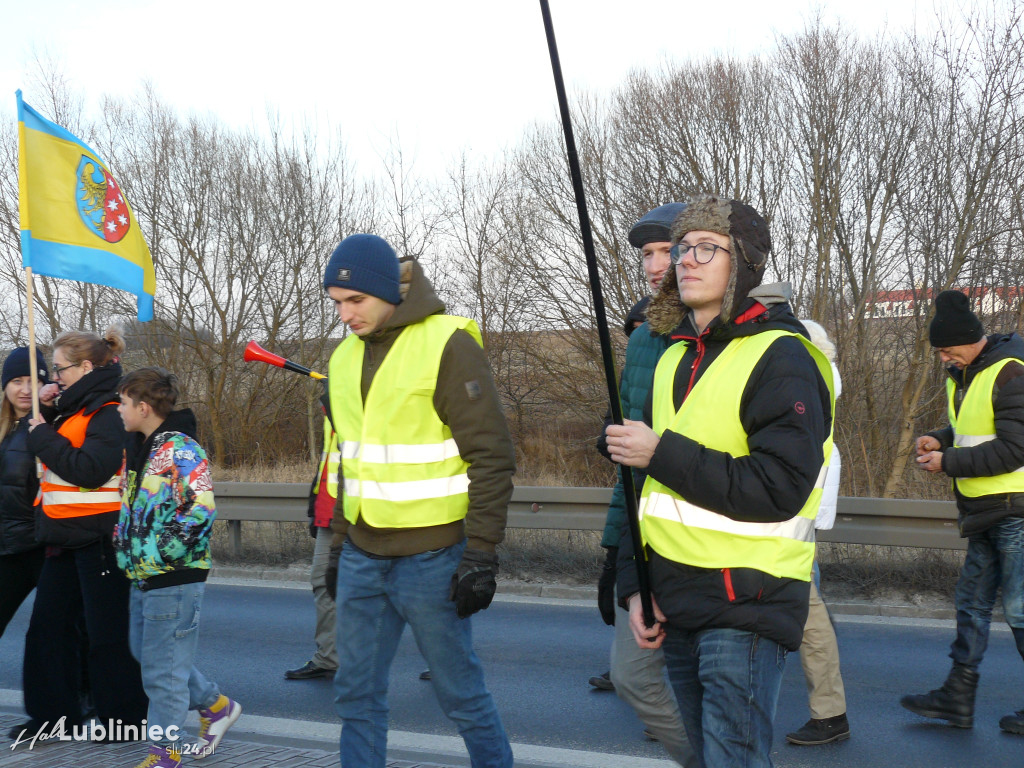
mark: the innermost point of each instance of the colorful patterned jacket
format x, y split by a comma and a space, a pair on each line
167, 508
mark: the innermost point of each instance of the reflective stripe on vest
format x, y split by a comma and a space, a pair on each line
974, 424
400, 464
61, 499
710, 415
332, 456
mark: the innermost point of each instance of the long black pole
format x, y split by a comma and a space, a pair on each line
628, 487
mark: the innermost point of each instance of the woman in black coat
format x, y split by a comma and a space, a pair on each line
81, 447
21, 556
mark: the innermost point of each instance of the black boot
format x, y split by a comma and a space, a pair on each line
1013, 723
954, 701
823, 731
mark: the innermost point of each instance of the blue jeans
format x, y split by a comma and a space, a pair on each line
995, 560
164, 635
376, 599
727, 684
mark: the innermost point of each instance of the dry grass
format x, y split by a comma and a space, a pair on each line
295, 472
873, 571
568, 557
264, 543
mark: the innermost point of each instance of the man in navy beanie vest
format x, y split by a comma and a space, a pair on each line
423, 493
982, 450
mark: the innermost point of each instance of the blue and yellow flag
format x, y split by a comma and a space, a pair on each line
75, 221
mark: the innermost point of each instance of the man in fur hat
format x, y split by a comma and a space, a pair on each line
638, 674
982, 450
741, 412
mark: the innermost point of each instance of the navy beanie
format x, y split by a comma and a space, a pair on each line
655, 226
954, 323
365, 263
17, 364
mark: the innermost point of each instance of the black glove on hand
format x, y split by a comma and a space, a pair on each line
473, 583
606, 587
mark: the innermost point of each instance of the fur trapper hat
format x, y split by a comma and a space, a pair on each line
749, 246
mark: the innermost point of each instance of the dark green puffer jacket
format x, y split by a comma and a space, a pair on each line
643, 351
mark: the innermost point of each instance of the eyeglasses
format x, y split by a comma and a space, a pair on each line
702, 252
59, 369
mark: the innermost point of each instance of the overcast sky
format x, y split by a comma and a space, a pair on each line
443, 76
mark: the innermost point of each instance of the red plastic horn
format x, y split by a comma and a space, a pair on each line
254, 351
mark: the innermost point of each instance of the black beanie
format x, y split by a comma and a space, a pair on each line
954, 323
17, 365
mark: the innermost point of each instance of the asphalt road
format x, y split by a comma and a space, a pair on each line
539, 655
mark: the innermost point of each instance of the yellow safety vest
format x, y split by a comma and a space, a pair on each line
400, 464
976, 424
331, 456
710, 415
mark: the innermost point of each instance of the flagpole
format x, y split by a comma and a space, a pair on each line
628, 486
32, 366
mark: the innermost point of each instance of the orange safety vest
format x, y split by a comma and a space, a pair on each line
61, 499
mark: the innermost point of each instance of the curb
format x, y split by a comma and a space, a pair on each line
297, 574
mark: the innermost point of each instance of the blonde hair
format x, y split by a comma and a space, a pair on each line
8, 418
79, 346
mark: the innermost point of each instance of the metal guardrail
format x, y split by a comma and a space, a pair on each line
886, 522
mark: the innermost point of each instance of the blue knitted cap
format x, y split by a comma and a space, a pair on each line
365, 263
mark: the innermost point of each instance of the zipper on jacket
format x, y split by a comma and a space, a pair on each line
729, 592
701, 349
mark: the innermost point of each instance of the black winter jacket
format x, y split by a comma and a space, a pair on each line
786, 413
996, 457
96, 461
18, 488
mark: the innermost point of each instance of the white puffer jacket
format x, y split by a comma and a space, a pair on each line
827, 511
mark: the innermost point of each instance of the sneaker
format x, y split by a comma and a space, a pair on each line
214, 723
603, 682
823, 731
308, 671
161, 757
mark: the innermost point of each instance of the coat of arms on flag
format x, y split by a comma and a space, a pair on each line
100, 203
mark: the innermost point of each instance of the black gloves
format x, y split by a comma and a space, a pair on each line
473, 583
606, 587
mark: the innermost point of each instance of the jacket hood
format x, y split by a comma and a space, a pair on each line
418, 298
138, 445
92, 390
999, 347
183, 421
637, 315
